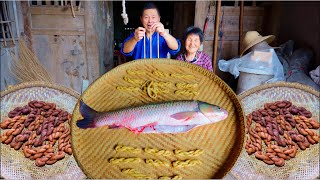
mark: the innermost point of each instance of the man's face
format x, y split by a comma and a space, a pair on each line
149, 17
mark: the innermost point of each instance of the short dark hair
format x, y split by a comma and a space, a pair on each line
149, 6
193, 30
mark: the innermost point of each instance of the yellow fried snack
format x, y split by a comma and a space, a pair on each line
160, 73
156, 162
124, 160
153, 88
179, 152
186, 92
186, 86
186, 163
130, 149
135, 174
168, 177
158, 152
133, 80
178, 75
127, 88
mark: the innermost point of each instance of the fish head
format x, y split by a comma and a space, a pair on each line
212, 112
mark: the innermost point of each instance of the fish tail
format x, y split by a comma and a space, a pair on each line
88, 115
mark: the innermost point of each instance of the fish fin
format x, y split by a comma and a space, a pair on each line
184, 115
88, 115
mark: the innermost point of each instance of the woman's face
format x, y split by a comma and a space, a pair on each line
149, 17
192, 43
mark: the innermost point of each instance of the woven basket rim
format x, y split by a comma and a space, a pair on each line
303, 87
40, 84
202, 71
32, 84
266, 87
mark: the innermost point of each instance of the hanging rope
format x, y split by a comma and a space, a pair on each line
124, 14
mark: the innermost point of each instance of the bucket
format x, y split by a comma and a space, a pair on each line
249, 80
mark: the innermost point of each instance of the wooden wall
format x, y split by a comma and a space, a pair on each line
297, 21
183, 17
7, 78
72, 49
228, 42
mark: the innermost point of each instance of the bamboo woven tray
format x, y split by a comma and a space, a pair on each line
221, 142
306, 163
13, 163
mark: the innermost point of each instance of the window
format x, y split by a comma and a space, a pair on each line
9, 31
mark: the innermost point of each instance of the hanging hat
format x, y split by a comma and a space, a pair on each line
252, 38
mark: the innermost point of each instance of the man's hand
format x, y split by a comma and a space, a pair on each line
139, 33
158, 27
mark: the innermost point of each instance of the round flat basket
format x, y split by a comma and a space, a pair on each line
305, 165
122, 87
14, 165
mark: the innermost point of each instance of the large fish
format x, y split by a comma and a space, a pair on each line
168, 117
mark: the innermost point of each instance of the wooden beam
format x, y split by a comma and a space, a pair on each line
51, 10
61, 32
240, 27
3, 33
216, 32
92, 48
234, 11
25, 8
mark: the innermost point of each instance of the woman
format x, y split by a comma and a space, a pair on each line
193, 38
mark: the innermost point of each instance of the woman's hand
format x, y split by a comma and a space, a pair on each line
139, 33
158, 27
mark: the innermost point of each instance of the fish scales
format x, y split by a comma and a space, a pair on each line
176, 116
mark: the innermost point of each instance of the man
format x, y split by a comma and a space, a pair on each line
151, 40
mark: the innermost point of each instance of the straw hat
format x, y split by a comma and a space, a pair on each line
252, 38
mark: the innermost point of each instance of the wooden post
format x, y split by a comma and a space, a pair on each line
9, 22
25, 8
216, 37
240, 27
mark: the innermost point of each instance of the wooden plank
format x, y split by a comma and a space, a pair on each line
235, 11
52, 10
201, 11
241, 25
92, 47
58, 32
25, 8
8, 39
226, 49
216, 31
62, 22
3, 22
106, 41
64, 57
230, 26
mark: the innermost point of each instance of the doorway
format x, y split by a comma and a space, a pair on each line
175, 16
